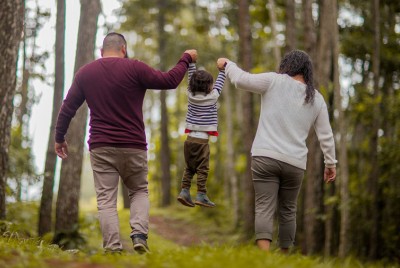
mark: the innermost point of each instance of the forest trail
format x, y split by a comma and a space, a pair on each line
177, 231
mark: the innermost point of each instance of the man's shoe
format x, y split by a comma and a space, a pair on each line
140, 244
203, 200
185, 199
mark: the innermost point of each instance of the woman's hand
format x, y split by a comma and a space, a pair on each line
221, 63
329, 174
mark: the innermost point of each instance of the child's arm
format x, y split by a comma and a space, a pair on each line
191, 70
219, 82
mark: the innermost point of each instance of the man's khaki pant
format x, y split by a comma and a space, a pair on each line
108, 164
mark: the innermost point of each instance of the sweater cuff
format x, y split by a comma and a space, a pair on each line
186, 58
59, 138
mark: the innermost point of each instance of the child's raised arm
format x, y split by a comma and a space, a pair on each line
191, 70
219, 82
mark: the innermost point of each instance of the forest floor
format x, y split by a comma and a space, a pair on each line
178, 237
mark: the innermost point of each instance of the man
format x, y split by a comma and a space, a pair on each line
114, 87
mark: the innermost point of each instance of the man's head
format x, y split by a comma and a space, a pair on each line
114, 45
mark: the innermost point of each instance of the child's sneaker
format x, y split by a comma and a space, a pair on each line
203, 200
185, 199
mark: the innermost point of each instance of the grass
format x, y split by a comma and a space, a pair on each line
33, 253
19, 250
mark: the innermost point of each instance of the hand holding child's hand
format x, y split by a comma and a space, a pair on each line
221, 63
192, 53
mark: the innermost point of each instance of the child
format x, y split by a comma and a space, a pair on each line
201, 122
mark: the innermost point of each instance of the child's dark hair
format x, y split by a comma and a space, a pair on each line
298, 62
201, 81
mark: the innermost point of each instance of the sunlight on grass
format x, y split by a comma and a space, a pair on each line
18, 250
33, 253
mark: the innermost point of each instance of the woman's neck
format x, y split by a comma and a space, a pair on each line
299, 78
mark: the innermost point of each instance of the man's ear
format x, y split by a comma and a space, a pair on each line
101, 52
123, 50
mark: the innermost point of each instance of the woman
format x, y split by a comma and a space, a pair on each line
290, 106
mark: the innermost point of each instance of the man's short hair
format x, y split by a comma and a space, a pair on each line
114, 41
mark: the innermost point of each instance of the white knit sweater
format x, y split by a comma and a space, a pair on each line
285, 119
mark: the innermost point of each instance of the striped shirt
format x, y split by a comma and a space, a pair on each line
202, 108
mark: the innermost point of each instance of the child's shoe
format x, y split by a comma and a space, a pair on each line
203, 200
185, 199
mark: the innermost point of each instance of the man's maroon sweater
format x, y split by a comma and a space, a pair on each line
114, 89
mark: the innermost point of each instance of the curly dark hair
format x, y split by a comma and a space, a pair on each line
298, 62
201, 81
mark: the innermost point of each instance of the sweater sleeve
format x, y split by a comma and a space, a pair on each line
154, 79
257, 83
191, 71
325, 136
71, 103
219, 82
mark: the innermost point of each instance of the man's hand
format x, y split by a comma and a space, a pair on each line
329, 174
221, 63
61, 149
192, 53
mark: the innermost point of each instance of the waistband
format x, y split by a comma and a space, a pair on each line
196, 140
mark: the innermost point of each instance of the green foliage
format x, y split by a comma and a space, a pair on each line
21, 167
36, 253
70, 239
21, 219
17, 251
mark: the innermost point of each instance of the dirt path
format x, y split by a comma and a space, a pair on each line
177, 231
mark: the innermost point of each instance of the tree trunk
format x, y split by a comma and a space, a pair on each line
165, 150
245, 56
11, 27
230, 157
309, 211
343, 170
273, 21
310, 39
46, 201
290, 20
125, 196
374, 175
67, 206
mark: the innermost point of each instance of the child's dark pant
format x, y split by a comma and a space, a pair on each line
197, 155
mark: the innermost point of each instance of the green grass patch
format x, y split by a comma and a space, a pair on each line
34, 253
17, 249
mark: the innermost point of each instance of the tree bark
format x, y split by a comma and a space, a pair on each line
374, 175
310, 38
309, 211
273, 22
125, 196
230, 157
343, 170
245, 57
67, 206
11, 27
290, 20
165, 150
46, 201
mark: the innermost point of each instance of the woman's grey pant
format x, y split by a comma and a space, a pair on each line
108, 164
277, 185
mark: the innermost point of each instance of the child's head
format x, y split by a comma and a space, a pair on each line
201, 81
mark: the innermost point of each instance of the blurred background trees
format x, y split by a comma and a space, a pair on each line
355, 50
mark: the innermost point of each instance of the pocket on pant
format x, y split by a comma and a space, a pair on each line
101, 161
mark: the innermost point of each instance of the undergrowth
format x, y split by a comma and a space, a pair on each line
20, 248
